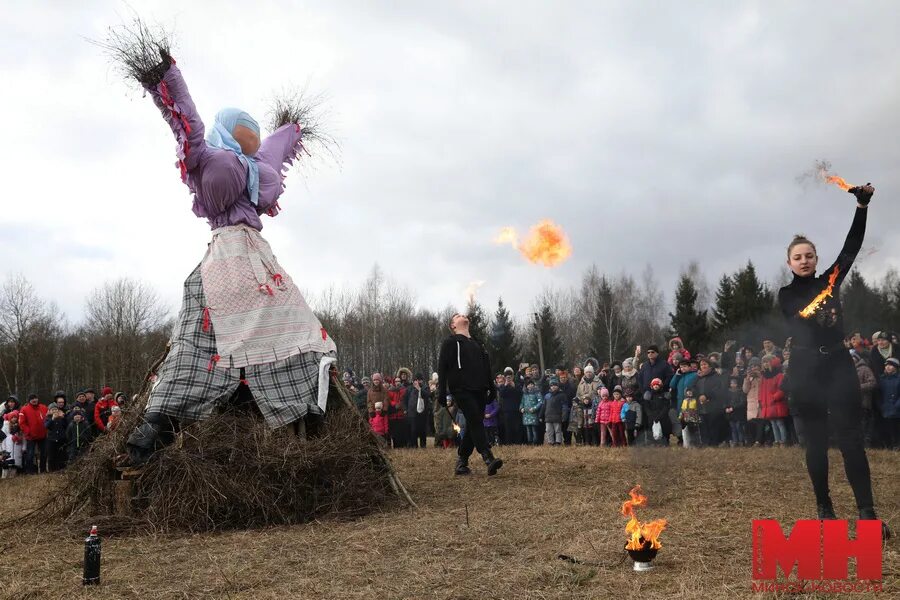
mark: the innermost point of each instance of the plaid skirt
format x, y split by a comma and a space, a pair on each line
190, 385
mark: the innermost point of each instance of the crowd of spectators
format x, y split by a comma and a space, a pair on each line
735, 397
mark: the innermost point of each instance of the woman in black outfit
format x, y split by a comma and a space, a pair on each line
823, 379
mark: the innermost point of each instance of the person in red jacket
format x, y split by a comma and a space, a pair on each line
31, 422
103, 409
772, 401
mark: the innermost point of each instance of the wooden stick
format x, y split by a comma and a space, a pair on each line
392, 474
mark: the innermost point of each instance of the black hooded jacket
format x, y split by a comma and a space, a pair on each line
463, 365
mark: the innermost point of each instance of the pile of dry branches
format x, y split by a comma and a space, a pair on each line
231, 471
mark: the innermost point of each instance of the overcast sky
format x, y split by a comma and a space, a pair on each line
655, 132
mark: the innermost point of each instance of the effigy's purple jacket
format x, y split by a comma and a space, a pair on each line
216, 177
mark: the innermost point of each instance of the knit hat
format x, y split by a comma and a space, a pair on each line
554, 381
106, 390
589, 369
115, 409
59, 394
894, 362
656, 381
882, 335
653, 348
604, 393
366, 380
13, 414
419, 377
618, 388
508, 370
121, 395
755, 361
379, 405
628, 363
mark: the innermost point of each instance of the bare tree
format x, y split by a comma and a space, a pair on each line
20, 311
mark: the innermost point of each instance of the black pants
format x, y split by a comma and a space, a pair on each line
418, 431
589, 435
512, 428
828, 388
399, 432
472, 405
57, 454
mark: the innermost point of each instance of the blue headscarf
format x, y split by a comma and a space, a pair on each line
220, 136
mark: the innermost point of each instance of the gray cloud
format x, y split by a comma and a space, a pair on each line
652, 132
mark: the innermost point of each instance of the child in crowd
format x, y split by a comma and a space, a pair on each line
79, 434
553, 412
632, 417
491, 430
57, 452
115, 417
589, 427
379, 423
736, 412
576, 422
12, 447
530, 406
755, 423
603, 409
616, 426
889, 402
690, 419
443, 422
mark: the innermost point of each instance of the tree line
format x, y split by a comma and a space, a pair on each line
379, 326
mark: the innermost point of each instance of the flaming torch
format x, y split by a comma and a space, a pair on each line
546, 244
823, 168
643, 539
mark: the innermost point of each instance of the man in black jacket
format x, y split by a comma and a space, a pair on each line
464, 376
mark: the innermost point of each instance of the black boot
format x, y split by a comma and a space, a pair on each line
825, 510
462, 466
868, 514
493, 464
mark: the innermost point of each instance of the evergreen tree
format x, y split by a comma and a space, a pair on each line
478, 325
864, 308
752, 300
503, 347
610, 334
554, 353
687, 321
722, 317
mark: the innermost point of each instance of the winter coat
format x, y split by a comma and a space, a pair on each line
510, 399
490, 413
576, 417
877, 361
590, 411
78, 436
629, 379
56, 429
101, 413
463, 365
889, 401
751, 389
604, 411
632, 414
530, 407
379, 423
680, 382
13, 444
31, 421
376, 394
736, 400
553, 407
867, 383
650, 371
772, 401
587, 389
685, 355
569, 390
615, 411
656, 406
713, 387
360, 401
443, 423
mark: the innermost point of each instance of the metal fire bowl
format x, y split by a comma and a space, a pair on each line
644, 555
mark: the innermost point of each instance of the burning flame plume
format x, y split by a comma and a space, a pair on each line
823, 168
546, 243
640, 535
813, 306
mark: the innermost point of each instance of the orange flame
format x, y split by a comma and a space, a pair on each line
640, 534
546, 243
457, 428
833, 179
813, 306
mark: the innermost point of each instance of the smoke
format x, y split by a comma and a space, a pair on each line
472, 288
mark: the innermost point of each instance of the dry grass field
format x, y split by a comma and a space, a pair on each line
471, 537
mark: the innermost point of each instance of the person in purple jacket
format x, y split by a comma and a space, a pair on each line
244, 329
490, 422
